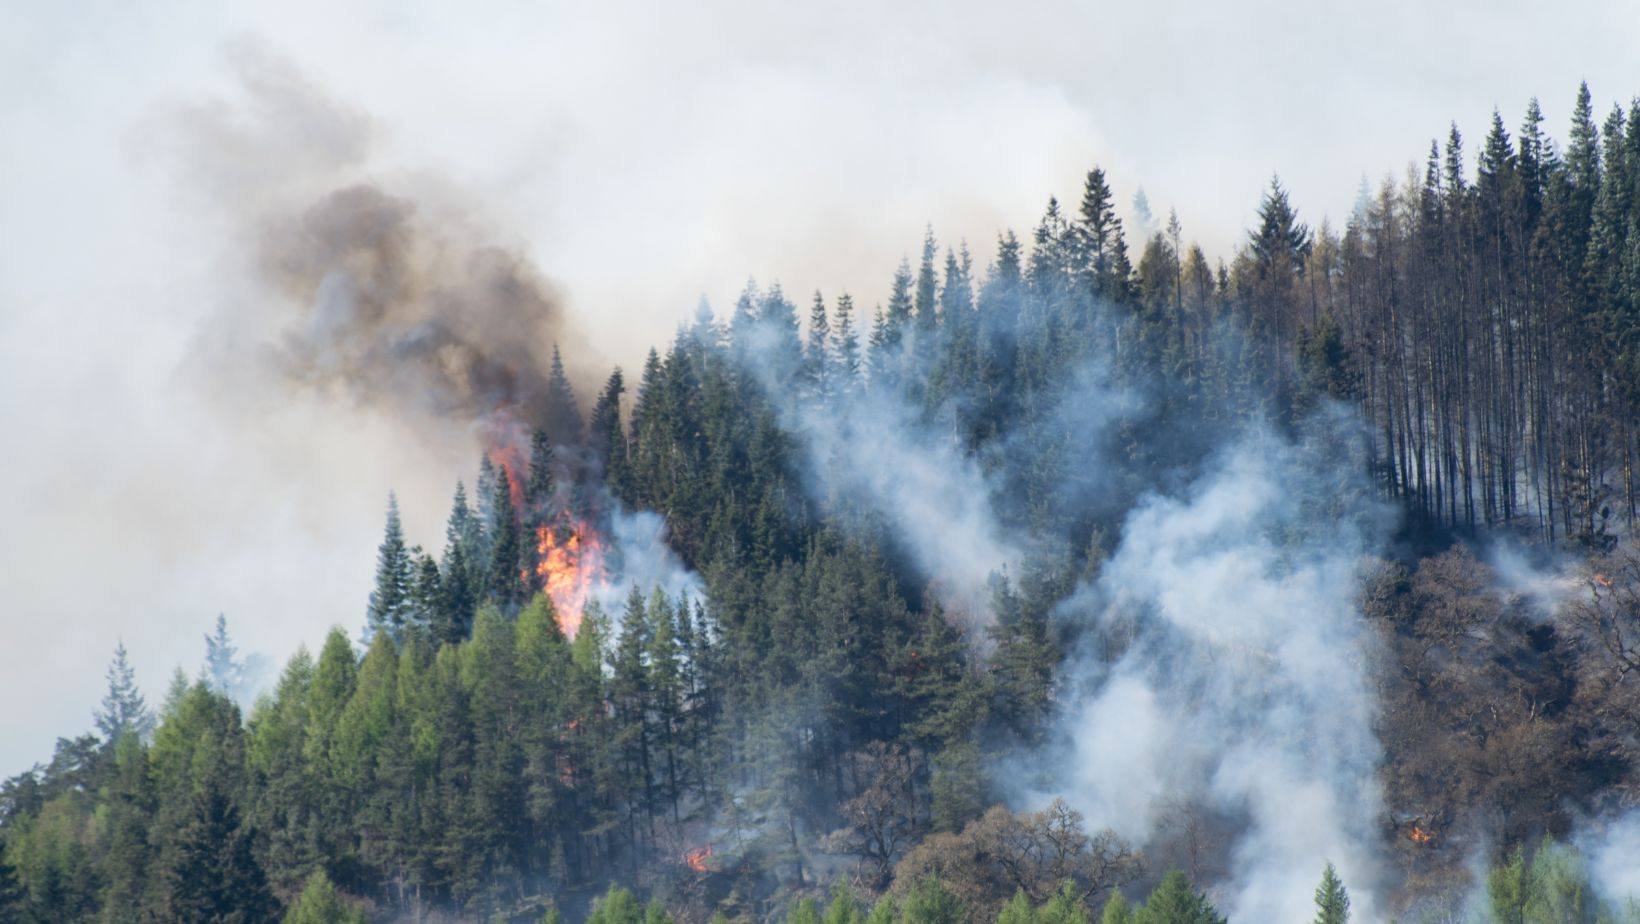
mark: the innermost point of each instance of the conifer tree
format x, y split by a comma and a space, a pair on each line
1018, 910
127, 849
1117, 909
390, 601
124, 711
817, 351
606, 436
505, 583
925, 303
223, 672
846, 343
427, 595
211, 874
539, 486
1278, 248
563, 413
1332, 901
1176, 901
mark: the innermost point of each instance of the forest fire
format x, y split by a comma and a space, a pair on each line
1420, 835
698, 858
569, 564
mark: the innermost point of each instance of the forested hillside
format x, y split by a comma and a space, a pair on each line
1083, 578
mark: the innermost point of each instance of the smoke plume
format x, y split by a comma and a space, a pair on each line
391, 293
1226, 673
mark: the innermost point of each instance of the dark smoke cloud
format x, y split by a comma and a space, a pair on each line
392, 313
390, 293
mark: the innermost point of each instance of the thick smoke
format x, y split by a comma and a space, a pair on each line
389, 311
870, 452
1614, 859
1227, 673
1224, 673
392, 294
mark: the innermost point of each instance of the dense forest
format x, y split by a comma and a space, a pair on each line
912, 556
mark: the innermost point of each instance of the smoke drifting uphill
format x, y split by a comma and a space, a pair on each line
389, 312
391, 293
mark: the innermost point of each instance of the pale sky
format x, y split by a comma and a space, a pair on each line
643, 155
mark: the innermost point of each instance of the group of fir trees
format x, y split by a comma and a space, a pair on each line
473, 757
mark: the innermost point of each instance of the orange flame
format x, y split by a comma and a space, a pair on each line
1420, 836
505, 437
1602, 580
569, 564
698, 857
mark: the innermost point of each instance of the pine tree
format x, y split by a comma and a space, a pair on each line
539, 487
127, 852
461, 575
427, 595
843, 908
925, 304
1176, 901
505, 582
930, 902
1100, 249
606, 436
1117, 909
124, 711
1278, 248
563, 413
390, 601
1018, 910
222, 672
817, 351
1065, 907
846, 343
1332, 901
211, 873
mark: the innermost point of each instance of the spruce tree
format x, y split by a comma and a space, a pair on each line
427, 596
606, 437
926, 301
124, 711
390, 601
846, 344
1117, 909
1332, 901
1278, 248
223, 672
505, 582
211, 873
563, 413
817, 351
1176, 901
538, 488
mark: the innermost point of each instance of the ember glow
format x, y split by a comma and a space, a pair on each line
1420, 836
698, 858
569, 559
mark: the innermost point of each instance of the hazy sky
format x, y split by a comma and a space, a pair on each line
642, 155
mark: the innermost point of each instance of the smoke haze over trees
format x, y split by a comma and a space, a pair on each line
1084, 575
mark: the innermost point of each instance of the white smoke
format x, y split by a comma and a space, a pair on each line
1245, 683
1614, 859
868, 450
1535, 575
639, 557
